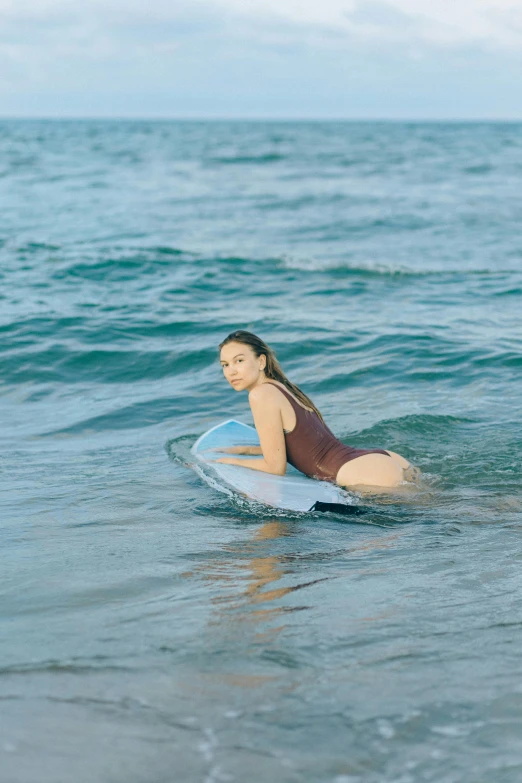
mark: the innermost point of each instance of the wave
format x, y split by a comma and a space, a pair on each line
37, 247
127, 267
79, 350
31, 331
346, 268
425, 439
242, 160
424, 423
67, 666
59, 364
114, 263
372, 268
129, 417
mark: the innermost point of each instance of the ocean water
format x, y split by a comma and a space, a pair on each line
153, 630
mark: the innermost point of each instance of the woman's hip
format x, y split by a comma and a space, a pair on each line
378, 470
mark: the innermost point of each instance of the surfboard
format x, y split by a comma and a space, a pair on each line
292, 492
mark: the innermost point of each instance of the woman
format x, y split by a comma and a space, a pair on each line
290, 427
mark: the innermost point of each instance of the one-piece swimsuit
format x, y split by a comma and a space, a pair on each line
311, 446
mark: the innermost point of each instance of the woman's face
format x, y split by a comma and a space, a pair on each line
241, 367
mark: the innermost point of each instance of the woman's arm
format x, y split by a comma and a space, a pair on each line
267, 420
252, 450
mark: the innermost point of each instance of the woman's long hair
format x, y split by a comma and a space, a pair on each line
273, 368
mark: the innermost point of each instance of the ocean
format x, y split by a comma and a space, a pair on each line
154, 630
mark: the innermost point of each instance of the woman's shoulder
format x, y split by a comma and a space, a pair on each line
271, 391
265, 391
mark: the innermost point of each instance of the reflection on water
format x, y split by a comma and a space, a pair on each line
253, 570
250, 583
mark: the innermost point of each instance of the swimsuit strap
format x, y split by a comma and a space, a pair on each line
290, 397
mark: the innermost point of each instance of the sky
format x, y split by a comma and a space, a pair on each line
262, 59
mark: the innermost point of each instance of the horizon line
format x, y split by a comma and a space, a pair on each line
239, 118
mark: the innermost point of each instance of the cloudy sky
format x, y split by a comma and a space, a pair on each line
396, 59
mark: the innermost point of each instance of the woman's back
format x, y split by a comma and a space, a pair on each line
311, 446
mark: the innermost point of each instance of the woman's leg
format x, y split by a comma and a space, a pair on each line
376, 470
411, 473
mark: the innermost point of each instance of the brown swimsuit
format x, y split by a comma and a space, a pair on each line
312, 448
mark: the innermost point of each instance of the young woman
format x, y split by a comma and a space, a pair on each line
290, 427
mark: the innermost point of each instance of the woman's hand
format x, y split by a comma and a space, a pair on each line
229, 460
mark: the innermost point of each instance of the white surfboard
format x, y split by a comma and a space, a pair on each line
292, 492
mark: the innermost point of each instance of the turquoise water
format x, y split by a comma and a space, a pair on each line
154, 631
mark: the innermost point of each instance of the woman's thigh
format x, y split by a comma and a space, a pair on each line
372, 470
